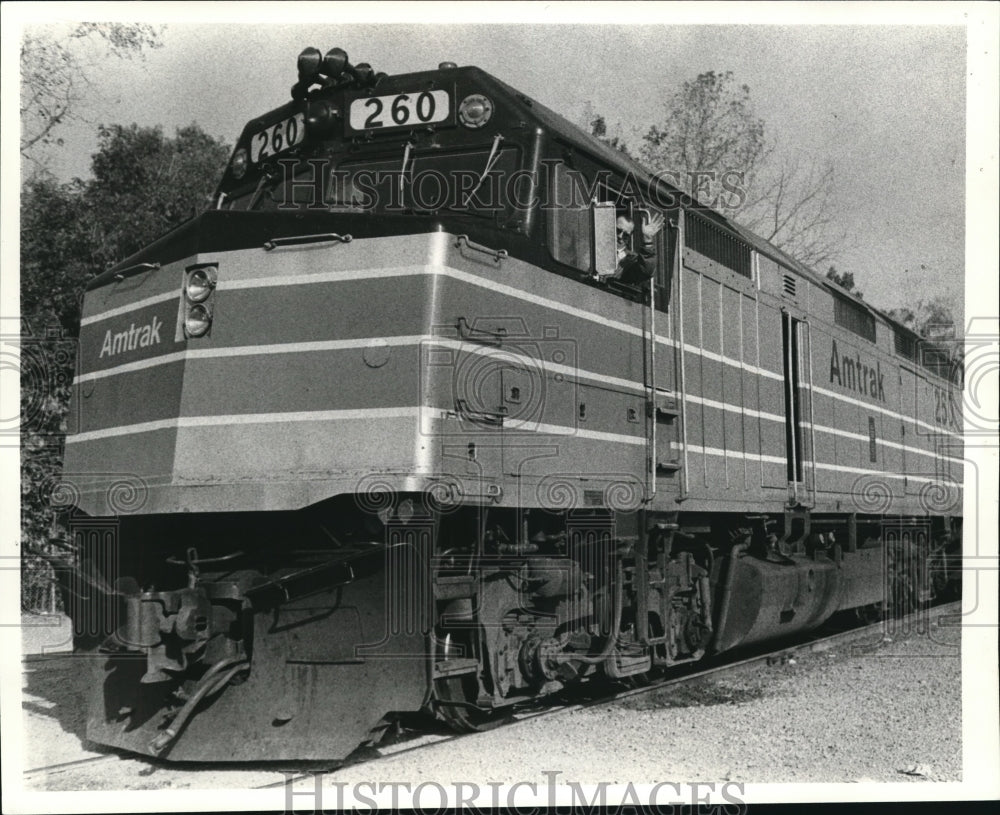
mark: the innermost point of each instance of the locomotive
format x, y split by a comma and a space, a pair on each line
382, 431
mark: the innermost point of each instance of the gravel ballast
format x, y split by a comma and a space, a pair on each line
881, 710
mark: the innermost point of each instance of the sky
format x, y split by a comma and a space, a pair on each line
884, 103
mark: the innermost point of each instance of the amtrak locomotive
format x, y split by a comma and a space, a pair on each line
383, 430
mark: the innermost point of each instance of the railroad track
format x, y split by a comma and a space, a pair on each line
49, 770
412, 741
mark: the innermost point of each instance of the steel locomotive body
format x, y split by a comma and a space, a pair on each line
381, 431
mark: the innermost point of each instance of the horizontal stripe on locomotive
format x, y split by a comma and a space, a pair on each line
739, 454
774, 417
424, 415
251, 350
245, 418
145, 302
847, 434
253, 384
937, 429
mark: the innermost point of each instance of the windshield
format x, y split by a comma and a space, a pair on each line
408, 180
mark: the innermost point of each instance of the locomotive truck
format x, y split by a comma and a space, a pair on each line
382, 431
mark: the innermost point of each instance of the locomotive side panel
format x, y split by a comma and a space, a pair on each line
552, 384
734, 390
875, 451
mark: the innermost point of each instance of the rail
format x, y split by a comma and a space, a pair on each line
496, 254
139, 268
681, 386
299, 240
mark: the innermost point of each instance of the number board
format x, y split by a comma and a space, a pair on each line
277, 138
409, 110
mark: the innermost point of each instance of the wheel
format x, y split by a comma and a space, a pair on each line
455, 696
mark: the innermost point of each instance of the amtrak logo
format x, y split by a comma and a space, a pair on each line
854, 375
141, 337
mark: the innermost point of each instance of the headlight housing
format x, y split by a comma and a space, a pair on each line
238, 166
475, 111
197, 320
198, 286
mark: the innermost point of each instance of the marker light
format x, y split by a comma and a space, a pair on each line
364, 73
475, 111
309, 62
197, 321
334, 63
239, 165
198, 286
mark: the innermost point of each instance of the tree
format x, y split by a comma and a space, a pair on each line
711, 131
791, 206
146, 184
933, 319
845, 280
599, 130
708, 125
56, 68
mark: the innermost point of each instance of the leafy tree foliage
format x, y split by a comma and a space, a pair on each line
709, 124
933, 319
599, 129
56, 68
146, 184
845, 280
143, 185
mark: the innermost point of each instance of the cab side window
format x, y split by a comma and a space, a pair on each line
570, 241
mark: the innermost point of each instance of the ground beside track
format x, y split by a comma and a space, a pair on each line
883, 711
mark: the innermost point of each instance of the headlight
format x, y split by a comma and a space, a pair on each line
239, 165
199, 285
197, 321
475, 111
321, 116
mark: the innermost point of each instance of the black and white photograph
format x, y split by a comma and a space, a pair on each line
478, 405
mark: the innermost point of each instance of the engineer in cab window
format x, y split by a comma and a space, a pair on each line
636, 262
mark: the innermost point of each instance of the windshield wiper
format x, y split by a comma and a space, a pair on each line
490, 161
266, 176
402, 170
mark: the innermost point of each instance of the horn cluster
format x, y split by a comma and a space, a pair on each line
332, 70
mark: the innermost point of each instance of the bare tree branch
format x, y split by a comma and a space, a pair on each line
55, 73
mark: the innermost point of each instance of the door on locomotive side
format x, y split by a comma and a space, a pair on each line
797, 406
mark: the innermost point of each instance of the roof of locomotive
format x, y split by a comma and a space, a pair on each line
566, 131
